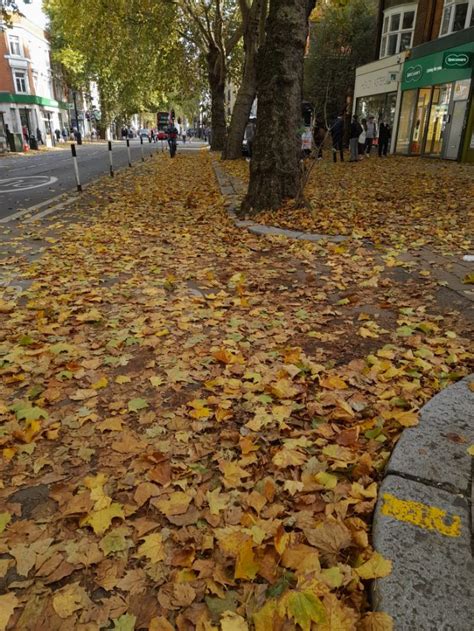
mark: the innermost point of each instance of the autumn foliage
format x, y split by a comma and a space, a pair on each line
194, 419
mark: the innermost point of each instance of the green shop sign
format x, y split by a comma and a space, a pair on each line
443, 67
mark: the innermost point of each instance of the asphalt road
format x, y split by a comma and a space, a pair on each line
28, 180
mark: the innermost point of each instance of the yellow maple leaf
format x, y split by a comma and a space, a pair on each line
264, 619
69, 599
217, 501
231, 621
375, 567
333, 382
233, 473
152, 548
100, 520
101, 383
176, 504
376, 621
287, 457
246, 566
8, 603
283, 389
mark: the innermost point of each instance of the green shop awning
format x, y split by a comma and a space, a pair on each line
451, 64
31, 99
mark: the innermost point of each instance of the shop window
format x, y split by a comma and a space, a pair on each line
14, 44
457, 15
398, 27
21, 85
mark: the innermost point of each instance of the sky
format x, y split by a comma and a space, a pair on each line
33, 10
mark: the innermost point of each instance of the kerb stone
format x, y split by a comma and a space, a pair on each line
431, 584
436, 449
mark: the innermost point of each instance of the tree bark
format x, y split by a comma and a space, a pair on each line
275, 167
248, 88
216, 75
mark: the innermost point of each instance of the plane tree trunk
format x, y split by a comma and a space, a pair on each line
275, 173
252, 19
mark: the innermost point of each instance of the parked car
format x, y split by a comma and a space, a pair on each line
162, 135
143, 133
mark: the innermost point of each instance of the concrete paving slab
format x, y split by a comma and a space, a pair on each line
436, 449
311, 236
425, 532
272, 230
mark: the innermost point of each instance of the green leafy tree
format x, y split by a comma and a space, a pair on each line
338, 44
130, 47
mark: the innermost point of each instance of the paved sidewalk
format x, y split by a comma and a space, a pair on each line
449, 273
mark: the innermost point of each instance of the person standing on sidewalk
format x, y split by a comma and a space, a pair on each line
371, 134
355, 132
362, 138
384, 138
250, 136
319, 135
337, 134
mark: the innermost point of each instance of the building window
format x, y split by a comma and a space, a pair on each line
14, 42
398, 27
21, 85
457, 15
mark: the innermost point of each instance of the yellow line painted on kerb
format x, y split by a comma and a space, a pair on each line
421, 515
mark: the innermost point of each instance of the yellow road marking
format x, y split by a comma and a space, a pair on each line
421, 515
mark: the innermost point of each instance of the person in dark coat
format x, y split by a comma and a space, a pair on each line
337, 134
384, 137
355, 132
319, 135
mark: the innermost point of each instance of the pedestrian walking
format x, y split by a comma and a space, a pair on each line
39, 138
362, 138
319, 135
370, 134
183, 134
57, 133
250, 136
172, 133
355, 132
384, 138
337, 134
64, 134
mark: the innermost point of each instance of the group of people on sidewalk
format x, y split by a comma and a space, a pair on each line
362, 137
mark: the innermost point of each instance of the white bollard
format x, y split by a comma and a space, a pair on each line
110, 159
141, 148
128, 151
76, 168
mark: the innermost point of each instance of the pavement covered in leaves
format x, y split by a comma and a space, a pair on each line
194, 419
403, 202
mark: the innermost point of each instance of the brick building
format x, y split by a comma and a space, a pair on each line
421, 81
32, 99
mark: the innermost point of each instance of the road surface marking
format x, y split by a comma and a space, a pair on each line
25, 182
421, 515
31, 209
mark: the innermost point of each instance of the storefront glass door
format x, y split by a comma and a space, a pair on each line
421, 114
406, 121
438, 119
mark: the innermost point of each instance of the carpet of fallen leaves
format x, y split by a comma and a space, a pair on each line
405, 202
194, 419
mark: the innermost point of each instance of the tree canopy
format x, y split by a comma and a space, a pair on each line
130, 47
338, 44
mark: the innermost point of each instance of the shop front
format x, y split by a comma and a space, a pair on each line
435, 118
376, 90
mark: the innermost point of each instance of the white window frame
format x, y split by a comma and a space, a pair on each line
449, 8
24, 79
14, 41
388, 14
